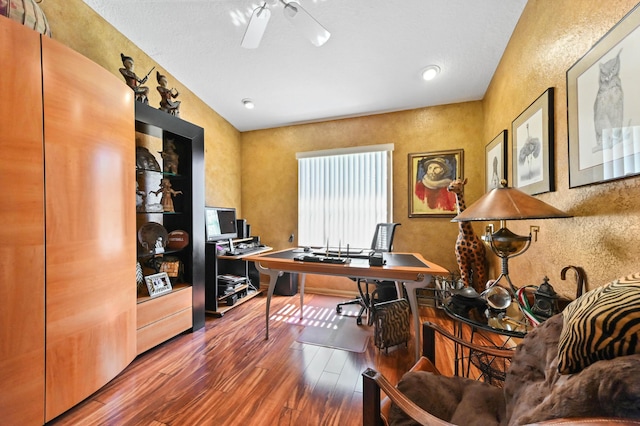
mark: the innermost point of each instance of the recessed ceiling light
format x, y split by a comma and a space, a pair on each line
430, 72
248, 103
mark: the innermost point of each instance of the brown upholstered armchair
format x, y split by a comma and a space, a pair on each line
605, 392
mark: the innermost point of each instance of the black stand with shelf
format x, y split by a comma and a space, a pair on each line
156, 129
247, 277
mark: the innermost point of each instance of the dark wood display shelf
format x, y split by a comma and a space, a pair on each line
155, 127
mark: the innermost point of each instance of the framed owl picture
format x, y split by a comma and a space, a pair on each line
603, 107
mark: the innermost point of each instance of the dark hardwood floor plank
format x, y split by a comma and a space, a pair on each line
201, 409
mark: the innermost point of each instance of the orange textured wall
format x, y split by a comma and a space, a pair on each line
256, 171
550, 37
269, 181
76, 25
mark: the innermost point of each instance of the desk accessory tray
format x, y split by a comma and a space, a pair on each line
321, 259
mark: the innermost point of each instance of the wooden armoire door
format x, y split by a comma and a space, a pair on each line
21, 227
90, 217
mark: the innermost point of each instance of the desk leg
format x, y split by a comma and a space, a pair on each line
273, 278
301, 284
399, 288
413, 302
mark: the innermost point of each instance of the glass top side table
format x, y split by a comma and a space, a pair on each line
475, 314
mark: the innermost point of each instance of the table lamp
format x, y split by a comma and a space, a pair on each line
502, 204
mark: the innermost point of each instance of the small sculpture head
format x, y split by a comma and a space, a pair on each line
457, 186
127, 61
162, 80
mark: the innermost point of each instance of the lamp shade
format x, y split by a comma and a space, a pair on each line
508, 204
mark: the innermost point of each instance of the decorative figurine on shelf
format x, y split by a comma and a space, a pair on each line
159, 247
141, 198
167, 195
145, 160
167, 104
150, 204
152, 235
170, 158
133, 81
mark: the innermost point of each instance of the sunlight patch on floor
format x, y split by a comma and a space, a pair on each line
314, 316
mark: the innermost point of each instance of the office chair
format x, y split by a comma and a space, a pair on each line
384, 290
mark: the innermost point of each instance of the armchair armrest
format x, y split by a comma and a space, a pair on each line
373, 381
375, 411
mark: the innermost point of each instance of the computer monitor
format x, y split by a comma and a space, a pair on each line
220, 223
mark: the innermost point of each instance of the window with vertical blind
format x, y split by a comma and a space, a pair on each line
343, 194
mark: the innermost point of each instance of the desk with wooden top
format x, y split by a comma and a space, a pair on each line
411, 269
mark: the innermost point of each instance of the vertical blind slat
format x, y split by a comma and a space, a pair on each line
342, 197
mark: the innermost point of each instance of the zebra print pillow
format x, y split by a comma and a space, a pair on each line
601, 324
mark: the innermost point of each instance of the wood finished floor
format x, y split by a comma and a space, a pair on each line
228, 374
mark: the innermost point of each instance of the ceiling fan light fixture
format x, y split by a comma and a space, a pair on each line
305, 23
295, 13
248, 103
430, 72
290, 10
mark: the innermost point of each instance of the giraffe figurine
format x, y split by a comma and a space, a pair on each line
470, 250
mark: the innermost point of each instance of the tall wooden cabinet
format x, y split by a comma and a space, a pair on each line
90, 260
22, 228
67, 261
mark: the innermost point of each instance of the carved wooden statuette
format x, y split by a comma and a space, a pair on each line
170, 158
167, 103
133, 80
167, 195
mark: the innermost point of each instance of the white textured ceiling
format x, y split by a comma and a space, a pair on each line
371, 64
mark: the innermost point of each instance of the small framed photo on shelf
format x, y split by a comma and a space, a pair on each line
603, 108
158, 284
429, 176
495, 163
532, 134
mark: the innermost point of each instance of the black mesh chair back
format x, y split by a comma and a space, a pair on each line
383, 237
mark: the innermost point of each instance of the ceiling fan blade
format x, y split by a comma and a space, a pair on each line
306, 24
257, 25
